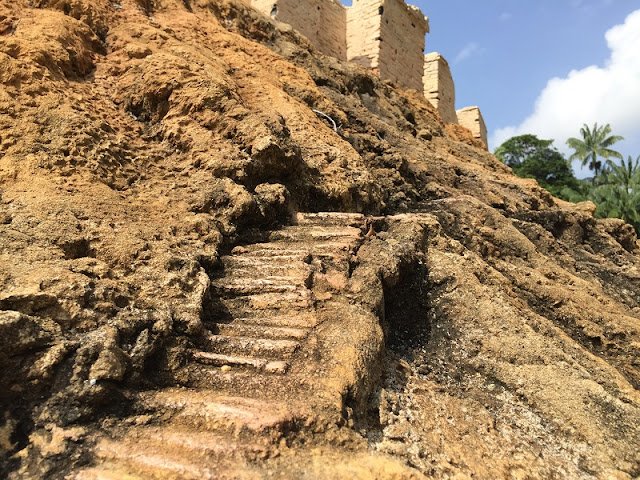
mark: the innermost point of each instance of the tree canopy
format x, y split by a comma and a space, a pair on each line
532, 157
615, 188
619, 194
595, 143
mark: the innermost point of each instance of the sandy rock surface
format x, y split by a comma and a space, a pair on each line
140, 140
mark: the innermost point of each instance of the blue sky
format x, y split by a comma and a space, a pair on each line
504, 53
543, 66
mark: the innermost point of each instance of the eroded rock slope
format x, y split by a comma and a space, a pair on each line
486, 330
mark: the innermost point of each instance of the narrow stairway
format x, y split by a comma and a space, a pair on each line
248, 383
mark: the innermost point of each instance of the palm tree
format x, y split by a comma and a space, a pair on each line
595, 143
619, 196
626, 175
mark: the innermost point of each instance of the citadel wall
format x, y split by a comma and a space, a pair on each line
384, 35
471, 119
323, 22
387, 36
363, 32
439, 88
401, 54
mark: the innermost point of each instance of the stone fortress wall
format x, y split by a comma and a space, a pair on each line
402, 32
471, 118
387, 36
323, 22
438, 86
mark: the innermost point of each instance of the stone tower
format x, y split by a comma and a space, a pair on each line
323, 22
439, 88
388, 36
471, 118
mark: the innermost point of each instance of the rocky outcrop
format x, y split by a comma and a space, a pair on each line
284, 355
473, 325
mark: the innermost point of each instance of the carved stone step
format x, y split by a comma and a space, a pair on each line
264, 267
199, 443
105, 472
245, 286
261, 347
256, 267
205, 410
262, 331
261, 364
330, 218
242, 306
279, 251
168, 452
238, 381
163, 464
273, 251
302, 320
315, 233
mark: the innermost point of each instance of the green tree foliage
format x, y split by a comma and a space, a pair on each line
532, 157
619, 193
595, 144
615, 189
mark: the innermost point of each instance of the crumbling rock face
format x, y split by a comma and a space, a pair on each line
140, 141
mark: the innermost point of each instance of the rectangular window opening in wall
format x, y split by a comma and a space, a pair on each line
380, 10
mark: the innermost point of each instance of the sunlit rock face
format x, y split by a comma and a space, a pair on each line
221, 247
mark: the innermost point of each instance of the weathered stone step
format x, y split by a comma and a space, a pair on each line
237, 361
260, 347
272, 251
205, 410
280, 251
303, 320
315, 233
247, 286
262, 331
265, 267
105, 472
243, 305
198, 443
153, 463
238, 381
330, 218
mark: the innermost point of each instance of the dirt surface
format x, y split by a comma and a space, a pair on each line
488, 330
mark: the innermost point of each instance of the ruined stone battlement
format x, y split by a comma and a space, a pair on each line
471, 119
387, 36
438, 86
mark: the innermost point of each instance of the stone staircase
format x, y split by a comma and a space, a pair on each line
255, 376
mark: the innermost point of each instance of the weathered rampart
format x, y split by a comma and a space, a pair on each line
471, 119
401, 54
438, 86
323, 22
387, 36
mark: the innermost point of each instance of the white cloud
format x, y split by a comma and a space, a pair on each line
505, 16
606, 94
470, 49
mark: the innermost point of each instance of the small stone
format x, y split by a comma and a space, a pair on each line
225, 368
110, 365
